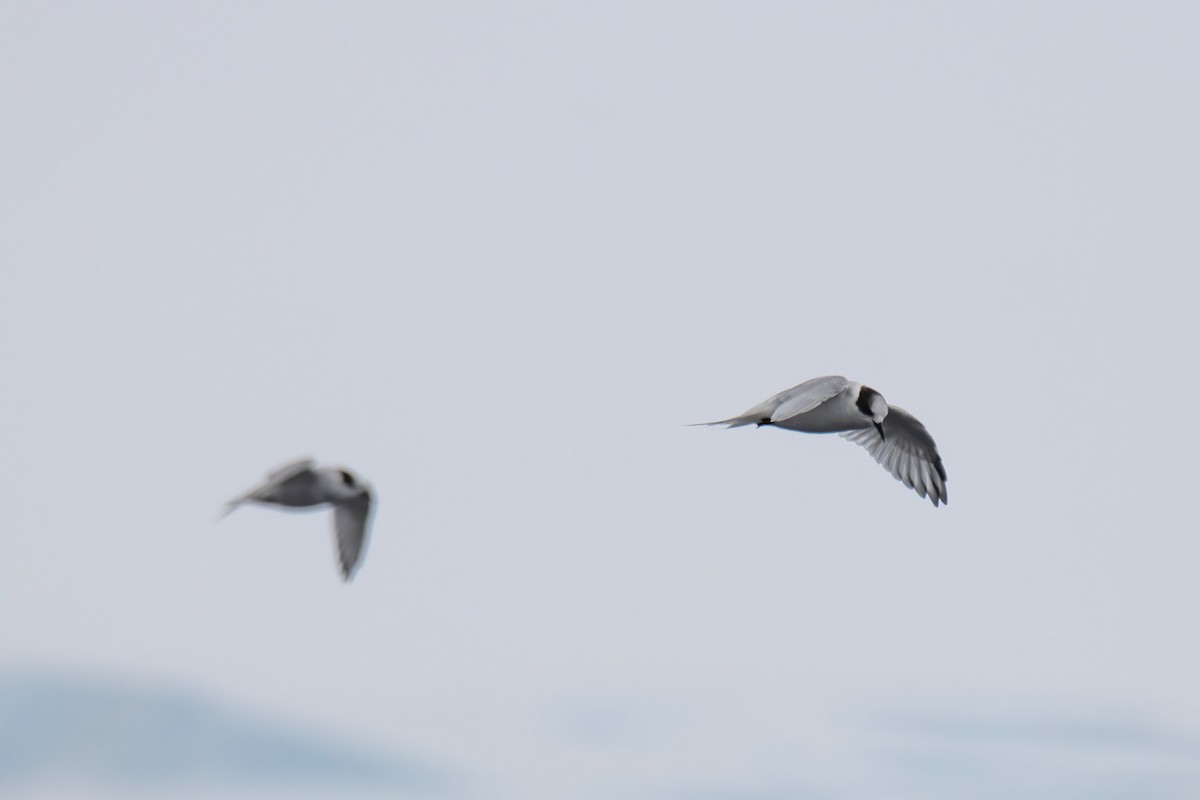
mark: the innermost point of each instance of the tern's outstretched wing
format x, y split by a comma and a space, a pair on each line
807, 396
350, 526
789, 402
281, 474
908, 452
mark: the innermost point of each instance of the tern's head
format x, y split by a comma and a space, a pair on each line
343, 484
873, 406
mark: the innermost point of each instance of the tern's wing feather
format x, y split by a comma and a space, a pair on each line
807, 396
281, 474
788, 403
273, 481
350, 527
908, 452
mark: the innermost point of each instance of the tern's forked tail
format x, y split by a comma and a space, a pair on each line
231, 506
732, 422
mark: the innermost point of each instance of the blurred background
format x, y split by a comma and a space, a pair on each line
495, 258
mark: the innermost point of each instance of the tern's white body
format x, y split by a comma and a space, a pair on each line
832, 404
302, 484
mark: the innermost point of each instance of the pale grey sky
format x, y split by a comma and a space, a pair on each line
496, 258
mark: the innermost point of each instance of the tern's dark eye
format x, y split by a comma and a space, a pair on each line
347, 478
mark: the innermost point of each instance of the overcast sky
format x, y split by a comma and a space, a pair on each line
495, 259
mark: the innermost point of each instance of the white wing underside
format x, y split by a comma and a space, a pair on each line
908, 452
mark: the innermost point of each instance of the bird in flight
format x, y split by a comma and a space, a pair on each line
302, 484
833, 404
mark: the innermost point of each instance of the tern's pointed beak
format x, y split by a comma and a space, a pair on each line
879, 427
